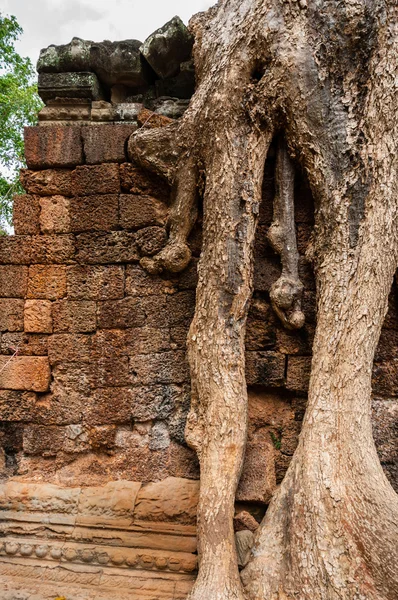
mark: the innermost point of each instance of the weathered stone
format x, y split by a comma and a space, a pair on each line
298, 373
102, 439
13, 281
66, 109
103, 112
168, 47
69, 85
244, 520
147, 340
39, 497
244, 541
114, 501
25, 373
151, 240
385, 378
126, 111
265, 368
45, 440
109, 371
37, 316
298, 342
141, 283
387, 348
150, 120
159, 438
50, 182
141, 211
94, 213
106, 143
53, 146
25, 215
175, 499
266, 273
260, 335
15, 250
166, 367
173, 108
135, 180
95, 282
181, 86
74, 56
103, 248
120, 313
119, 63
16, 406
54, 215
11, 314
47, 282
73, 347
257, 482
74, 316
97, 179
50, 249
28, 344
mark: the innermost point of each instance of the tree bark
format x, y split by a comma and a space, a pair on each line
325, 75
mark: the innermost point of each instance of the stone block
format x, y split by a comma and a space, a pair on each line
244, 541
266, 273
106, 143
141, 283
258, 482
151, 240
53, 249
50, 182
54, 214
25, 215
66, 109
47, 282
306, 274
15, 249
30, 373
94, 213
37, 316
167, 48
165, 367
298, 373
69, 85
96, 179
109, 406
110, 342
53, 146
244, 520
113, 502
39, 497
180, 308
385, 378
86, 282
188, 279
172, 500
295, 342
110, 371
103, 248
74, 316
159, 438
16, 406
123, 313
147, 340
102, 438
387, 348
11, 314
141, 211
28, 344
265, 368
135, 180
45, 440
69, 347
150, 120
13, 281
260, 335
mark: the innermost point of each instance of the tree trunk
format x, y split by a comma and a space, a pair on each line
325, 75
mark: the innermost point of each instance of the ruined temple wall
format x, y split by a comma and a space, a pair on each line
94, 382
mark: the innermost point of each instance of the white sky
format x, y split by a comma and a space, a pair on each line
48, 22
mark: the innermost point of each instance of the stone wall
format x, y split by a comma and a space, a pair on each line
99, 487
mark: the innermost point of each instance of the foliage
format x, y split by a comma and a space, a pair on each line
19, 105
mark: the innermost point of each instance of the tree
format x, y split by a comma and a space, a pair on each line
19, 105
323, 77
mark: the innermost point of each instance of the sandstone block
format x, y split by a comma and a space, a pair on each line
244, 520
172, 500
37, 316
30, 373
66, 109
265, 368
135, 180
244, 541
69, 85
110, 342
298, 373
109, 406
47, 282
113, 502
11, 314
95, 282
50, 182
73, 347
257, 483
106, 143
167, 47
13, 281
141, 283
103, 248
53, 146
74, 316
54, 214
151, 240
16, 406
53, 249
29, 344
94, 213
15, 249
39, 497
166, 367
25, 214
120, 314
97, 179
141, 211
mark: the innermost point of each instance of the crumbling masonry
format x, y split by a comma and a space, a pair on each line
98, 488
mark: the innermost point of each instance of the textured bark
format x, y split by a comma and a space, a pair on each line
325, 75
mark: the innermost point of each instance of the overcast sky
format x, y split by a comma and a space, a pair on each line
48, 22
